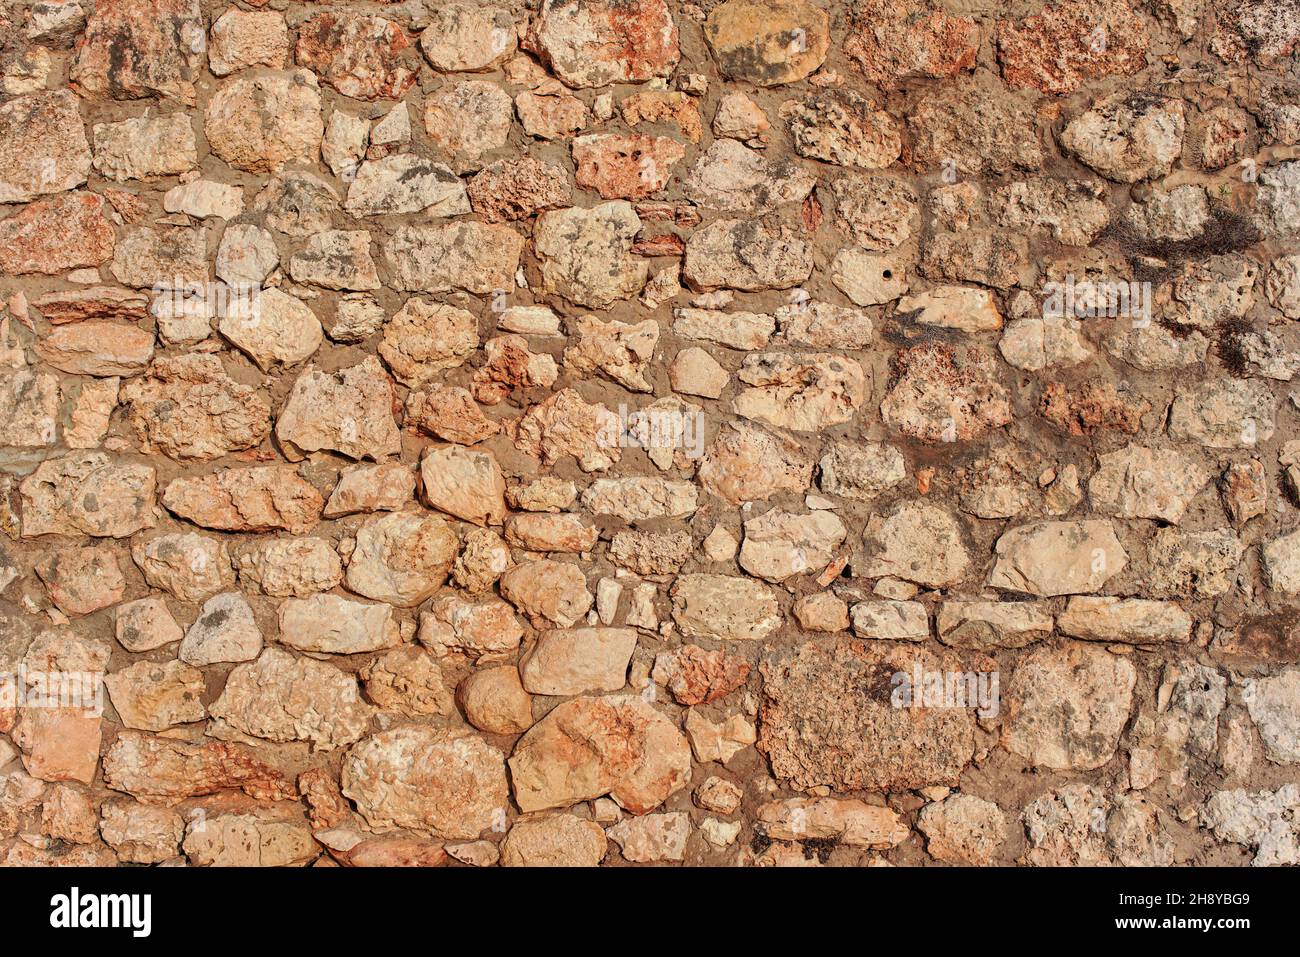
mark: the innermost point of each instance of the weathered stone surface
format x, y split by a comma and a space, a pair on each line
463, 482
917, 542
424, 339
82, 580
98, 349
408, 680
350, 411
843, 128
406, 183
693, 675
258, 839
845, 821
87, 493
264, 119
578, 661
636, 499
890, 620
467, 119
282, 698
145, 624
190, 566
133, 49
1262, 821
1223, 414
297, 567
1057, 558
722, 607
145, 147
939, 396
30, 404
463, 255
241, 39
1003, 141
260, 499
751, 39
963, 829
272, 328
167, 258
44, 148
1139, 482
360, 56
554, 840
598, 42
402, 558
371, 488
625, 167
1067, 44
466, 37
585, 253
827, 719
224, 631
551, 533
1127, 137
1281, 558
154, 697
544, 589
1137, 621
654, 837
448, 783
162, 771
334, 625
746, 255
453, 626
205, 198
140, 833
993, 624
891, 41
860, 471
589, 747
747, 463
219, 414
805, 393
738, 330
56, 234
517, 189
780, 544
1067, 705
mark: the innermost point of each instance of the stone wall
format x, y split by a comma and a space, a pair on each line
747, 432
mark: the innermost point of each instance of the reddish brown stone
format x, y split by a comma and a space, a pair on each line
259, 499
597, 42
325, 805
518, 189
99, 302
162, 771
1082, 411
1060, 48
359, 56
54, 235
891, 41
139, 48
696, 676
625, 166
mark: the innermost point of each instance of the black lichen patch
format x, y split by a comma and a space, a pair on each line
1155, 260
819, 846
1232, 352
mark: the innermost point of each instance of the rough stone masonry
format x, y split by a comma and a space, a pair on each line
761, 432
